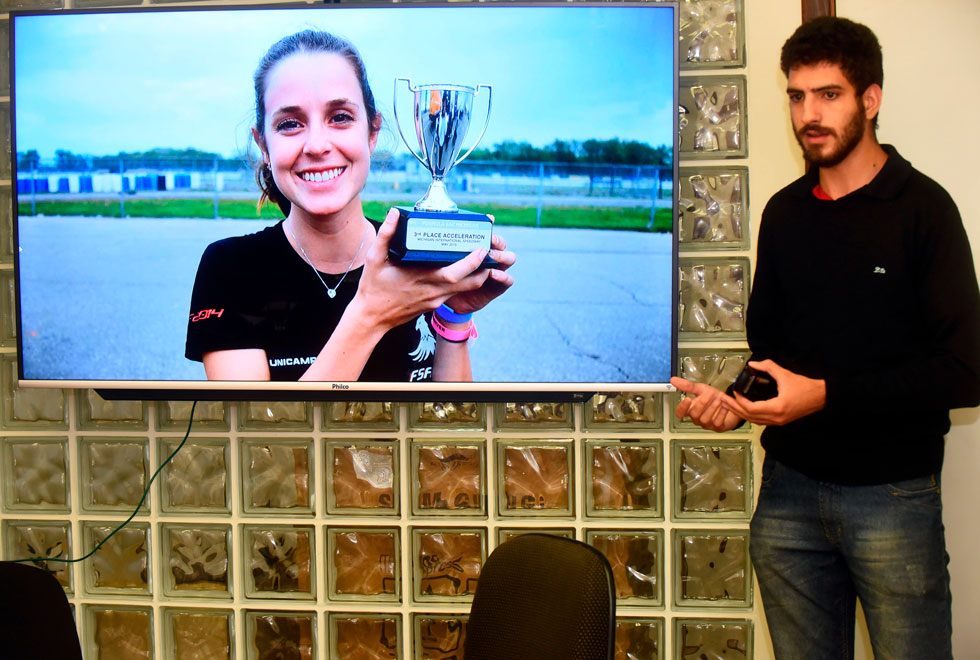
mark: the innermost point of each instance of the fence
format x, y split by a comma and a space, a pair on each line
510, 183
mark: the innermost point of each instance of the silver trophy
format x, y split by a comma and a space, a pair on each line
435, 232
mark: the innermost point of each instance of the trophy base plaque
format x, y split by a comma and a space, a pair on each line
433, 239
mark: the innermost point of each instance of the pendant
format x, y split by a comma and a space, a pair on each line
332, 293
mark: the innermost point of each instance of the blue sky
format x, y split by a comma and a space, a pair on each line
104, 83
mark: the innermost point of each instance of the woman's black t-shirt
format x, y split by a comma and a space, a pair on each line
255, 291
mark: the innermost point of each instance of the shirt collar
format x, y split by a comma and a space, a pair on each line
887, 184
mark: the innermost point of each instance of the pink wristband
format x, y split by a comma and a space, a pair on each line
455, 336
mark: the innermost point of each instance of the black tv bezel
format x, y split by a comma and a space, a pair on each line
476, 391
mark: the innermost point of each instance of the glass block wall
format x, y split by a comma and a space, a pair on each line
358, 530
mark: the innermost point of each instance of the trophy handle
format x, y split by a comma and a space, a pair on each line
485, 124
394, 106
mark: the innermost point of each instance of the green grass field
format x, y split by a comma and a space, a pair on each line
580, 217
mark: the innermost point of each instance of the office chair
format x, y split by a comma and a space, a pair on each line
543, 597
36, 622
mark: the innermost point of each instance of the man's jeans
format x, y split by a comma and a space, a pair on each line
816, 546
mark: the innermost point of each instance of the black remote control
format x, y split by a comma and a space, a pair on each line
754, 385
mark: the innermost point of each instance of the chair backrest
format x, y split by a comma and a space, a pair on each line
35, 617
543, 597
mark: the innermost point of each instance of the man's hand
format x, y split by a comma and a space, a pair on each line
798, 397
705, 405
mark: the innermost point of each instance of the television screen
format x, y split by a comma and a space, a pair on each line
146, 264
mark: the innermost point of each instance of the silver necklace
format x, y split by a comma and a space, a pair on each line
330, 292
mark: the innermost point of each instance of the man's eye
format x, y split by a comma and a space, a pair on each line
831, 95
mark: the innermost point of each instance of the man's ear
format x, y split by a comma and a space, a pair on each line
872, 101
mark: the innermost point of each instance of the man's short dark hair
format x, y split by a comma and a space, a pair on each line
852, 46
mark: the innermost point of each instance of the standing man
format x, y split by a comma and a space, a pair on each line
865, 311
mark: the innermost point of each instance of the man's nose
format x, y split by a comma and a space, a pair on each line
810, 111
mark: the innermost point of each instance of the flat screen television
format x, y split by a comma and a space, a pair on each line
132, 134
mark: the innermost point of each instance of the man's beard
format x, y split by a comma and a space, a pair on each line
849, 138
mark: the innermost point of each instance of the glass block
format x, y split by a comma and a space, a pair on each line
364, 564
280, 635
6, 219
118, 631
713, 208
712, 118
713, 480
362, 477
94, 412
267, 415
447, 563
535, 478
448, 416
279, 561
712, 568
277, 475
623, 478
4, 61
196, 479
365, 636
35, 474
624, 411
122, 564
196, 560
104, 3
529, 416
208, 415
636, 558
5, 143
8, 308
30, 408
114, 473
354, 415
639, 638
439, 636
505, 534
712, 34
45, 540
716, 367
713, 296
713, 639
448, 478
199, 634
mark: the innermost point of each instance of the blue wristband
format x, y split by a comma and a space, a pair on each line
447, 314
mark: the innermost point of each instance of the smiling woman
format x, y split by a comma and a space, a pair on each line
257, 310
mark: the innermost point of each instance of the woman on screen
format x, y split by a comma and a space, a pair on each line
314, 296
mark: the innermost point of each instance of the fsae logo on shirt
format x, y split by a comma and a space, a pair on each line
424, 373
207, 314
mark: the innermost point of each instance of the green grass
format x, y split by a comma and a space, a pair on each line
591, 217
155, 208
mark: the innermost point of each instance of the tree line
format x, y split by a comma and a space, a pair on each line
66, 161
588, 152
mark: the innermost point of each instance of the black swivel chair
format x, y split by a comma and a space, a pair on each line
543, 597
35, 618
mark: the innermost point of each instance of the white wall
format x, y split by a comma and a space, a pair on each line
931, 101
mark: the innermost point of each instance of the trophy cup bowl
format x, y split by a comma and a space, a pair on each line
436, 232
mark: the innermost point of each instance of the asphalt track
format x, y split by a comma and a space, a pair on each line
108, 299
